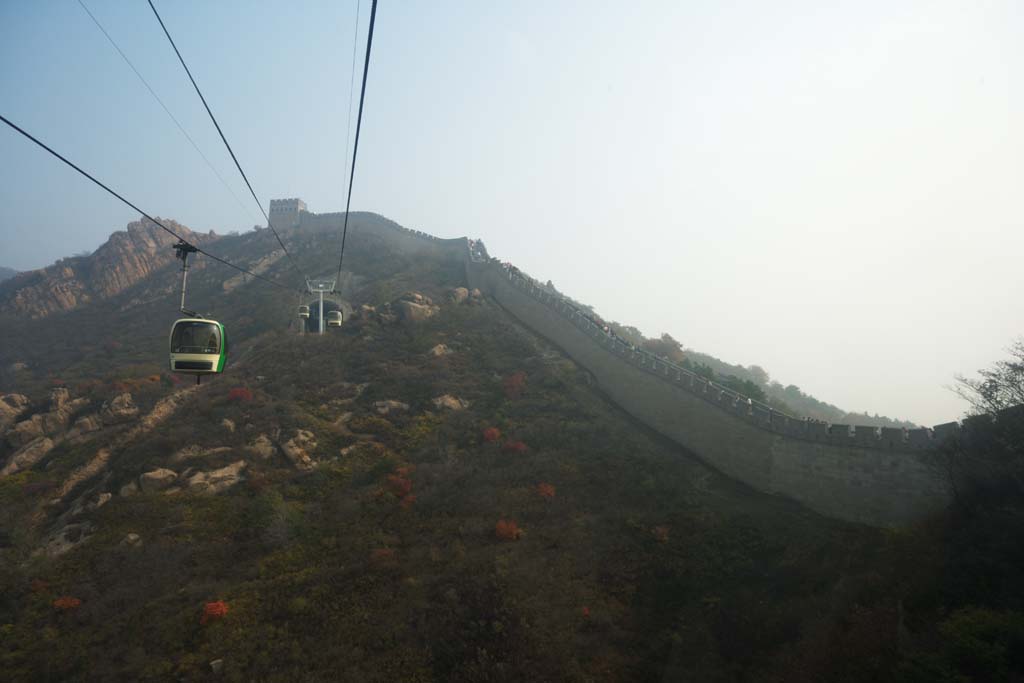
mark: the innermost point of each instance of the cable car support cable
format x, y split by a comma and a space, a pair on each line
144, 214
359, 121
223, 138
166, 110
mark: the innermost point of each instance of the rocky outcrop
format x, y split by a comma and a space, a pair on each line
11, 408
449, 402
263, 447
119, 409
157, 480
197, 451
28, 455
458, 295
298, 448
439, 350
388, 407
413, 312
216, 481
126, 258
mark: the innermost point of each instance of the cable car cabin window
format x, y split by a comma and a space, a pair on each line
195, 337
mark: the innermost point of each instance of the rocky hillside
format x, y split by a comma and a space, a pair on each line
126, 258
429, 492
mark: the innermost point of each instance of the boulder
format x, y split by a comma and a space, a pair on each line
131, 540
28, 455
388, 407
129, 489
218, 480
439, 350
58, 397
119, 409
87, 424
476, 294
11, 407
228, 425
414, 312
458, 295
157, 479
101, 500
297, 449
217, 666
263, 447
450, 402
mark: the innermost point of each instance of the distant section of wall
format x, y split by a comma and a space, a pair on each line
877, 477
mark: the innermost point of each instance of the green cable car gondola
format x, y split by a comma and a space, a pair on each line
334, 319
198, 346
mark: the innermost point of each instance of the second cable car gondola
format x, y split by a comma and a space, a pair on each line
333, 319
304, 311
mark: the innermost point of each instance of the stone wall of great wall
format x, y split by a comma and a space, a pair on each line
880, 477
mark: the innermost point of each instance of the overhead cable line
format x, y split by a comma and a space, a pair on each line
352, 84
164, 106
359, 121
224, 139
144, 214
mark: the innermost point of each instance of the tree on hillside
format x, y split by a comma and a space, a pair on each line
665, 347
998, 387
985, 462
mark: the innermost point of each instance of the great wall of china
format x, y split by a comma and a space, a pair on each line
880, 477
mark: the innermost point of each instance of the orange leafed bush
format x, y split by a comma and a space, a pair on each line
515, 447
39, 586
546, 490
405, 470
585, 612
507, 530
66, 603
407, 501
240, 394
213, 611
491, 434
514, 384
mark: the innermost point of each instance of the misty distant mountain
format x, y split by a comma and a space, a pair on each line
7, 273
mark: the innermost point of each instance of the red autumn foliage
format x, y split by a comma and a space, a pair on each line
507, 530
660, 534
405, 470
39, 586
546, 490
585, 612
213, 611
399, 485
382, 557
514, 447
514, 384
67, 603
492, 434
57, 382
240, 394
407, 501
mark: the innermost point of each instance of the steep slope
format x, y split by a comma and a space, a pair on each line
127, 257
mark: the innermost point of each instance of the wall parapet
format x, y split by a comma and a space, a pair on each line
751, 410
878, 476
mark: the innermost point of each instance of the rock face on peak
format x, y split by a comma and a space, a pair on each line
127, 257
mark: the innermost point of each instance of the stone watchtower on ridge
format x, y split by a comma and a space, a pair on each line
284, 213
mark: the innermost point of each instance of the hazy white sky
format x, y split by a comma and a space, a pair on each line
831, 190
